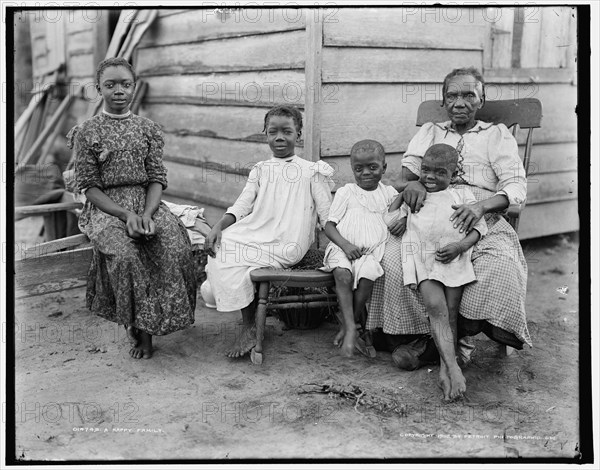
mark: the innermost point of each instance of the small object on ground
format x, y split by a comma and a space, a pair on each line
55, 314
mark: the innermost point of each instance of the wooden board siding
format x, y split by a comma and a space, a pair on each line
263, 89
277, 51
380, 65
212, 75
194, 26
429, 28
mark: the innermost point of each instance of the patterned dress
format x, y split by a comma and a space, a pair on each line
148, 284
491, 166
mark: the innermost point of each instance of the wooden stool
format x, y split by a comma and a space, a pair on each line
266, 277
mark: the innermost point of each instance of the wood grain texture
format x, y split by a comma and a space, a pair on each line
200, 184
231, 122
387, 113
314, 62
192, 26
540, 220
265, 52
196, 150
81, 65
52, 273
427, 28
349, 64
244, 88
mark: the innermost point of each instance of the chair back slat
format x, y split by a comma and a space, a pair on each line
526, 112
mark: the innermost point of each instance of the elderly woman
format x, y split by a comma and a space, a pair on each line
493, 171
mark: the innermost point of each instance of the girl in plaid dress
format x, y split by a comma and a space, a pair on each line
494, 173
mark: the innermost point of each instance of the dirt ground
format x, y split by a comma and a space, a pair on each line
80, 396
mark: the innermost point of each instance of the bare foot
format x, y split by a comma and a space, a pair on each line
337, 341
144, 348
132, 335
347, 349
243, 343
458, 384
444, 382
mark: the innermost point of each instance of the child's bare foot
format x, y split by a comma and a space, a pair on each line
144, 348
458, 384
337, 341
347, 349
132, 335
243, 343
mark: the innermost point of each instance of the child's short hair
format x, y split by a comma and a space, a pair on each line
113, 62
287, 111
368, 145
445, 151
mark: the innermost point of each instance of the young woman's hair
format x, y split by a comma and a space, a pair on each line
472, 71
287, 111
113, 62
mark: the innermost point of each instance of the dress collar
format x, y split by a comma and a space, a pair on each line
116, 116
479, 126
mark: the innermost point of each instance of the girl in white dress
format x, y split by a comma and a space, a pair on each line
358, 233
437, 255
271, 224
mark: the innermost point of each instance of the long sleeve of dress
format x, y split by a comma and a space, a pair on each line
245, 201
506, 163
87, 172
155, 169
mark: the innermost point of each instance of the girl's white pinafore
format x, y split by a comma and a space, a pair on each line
359, 218
276, 214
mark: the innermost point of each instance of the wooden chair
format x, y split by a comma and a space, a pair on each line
266, 278
525, 113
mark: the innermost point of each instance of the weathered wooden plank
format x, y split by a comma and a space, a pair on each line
52, 273
554, 36
244, 88
265, 52
501, 36
80, 41
82, 20
47, 208
231, 122
215, 187
191, 26
540, 220
43, 249
530, 42
548, 158
529, 75
427, 28
81, 65
349, 64
387, 113
552, 186
314, 63
206, 152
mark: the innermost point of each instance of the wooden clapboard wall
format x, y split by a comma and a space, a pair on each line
379, 64
212, 77
355, 72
